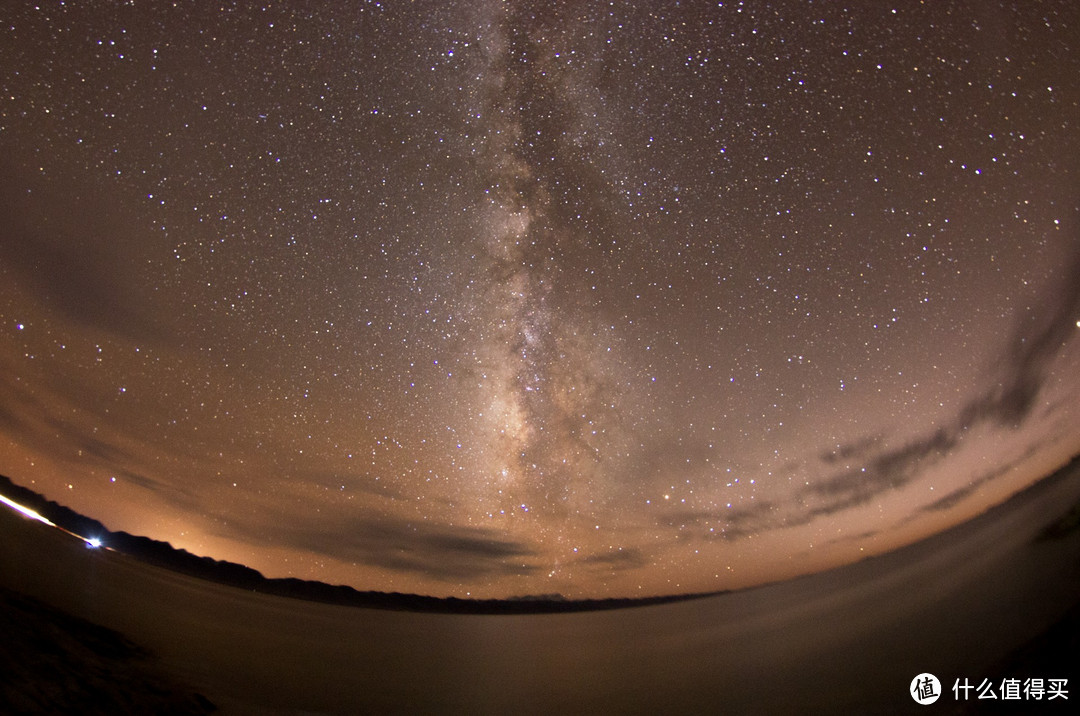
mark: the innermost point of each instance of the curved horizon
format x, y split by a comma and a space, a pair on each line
497, 298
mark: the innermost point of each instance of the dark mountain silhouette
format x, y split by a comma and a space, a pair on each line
163, 554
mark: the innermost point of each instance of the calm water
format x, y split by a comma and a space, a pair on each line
851, 638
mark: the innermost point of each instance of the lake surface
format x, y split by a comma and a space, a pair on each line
846, 640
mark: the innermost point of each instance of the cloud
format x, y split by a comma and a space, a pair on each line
1032, 347
448, 553
888, 470
1023, 372
79, 252
11, 422
868, 534
959, 495
27, 418
731, 523
953, 498
159, 487
850, 451
348, 483
618, 560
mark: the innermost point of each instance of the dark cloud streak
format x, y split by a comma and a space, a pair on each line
443, 552
1032, 347
616, 560
80, 252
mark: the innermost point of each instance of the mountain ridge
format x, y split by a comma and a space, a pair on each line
165, 555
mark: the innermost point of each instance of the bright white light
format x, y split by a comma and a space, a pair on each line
93, 543
25, 510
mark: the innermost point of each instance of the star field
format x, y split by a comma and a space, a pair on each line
498, 298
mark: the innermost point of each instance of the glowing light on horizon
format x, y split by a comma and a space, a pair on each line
91, 542
26, 511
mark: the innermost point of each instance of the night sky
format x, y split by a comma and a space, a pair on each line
499, 298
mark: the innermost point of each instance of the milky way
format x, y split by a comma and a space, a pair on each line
501, 298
